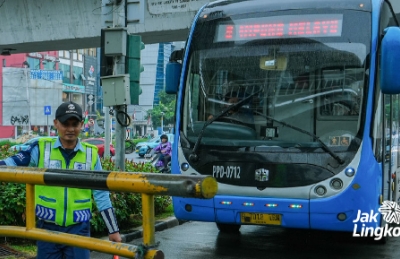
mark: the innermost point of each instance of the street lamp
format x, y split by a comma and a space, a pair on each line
162, 122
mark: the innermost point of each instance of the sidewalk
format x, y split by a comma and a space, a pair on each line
160, 225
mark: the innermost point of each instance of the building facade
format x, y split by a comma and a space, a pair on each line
28, 84
39, 82
80, 78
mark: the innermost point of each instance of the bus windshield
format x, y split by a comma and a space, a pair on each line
302, 76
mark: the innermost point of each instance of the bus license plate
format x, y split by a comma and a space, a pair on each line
260, 218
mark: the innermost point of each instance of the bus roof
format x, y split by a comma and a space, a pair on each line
232, 7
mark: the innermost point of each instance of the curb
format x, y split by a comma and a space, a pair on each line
160, 225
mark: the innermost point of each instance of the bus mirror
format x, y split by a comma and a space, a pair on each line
390, 56
176, 55
172, 77
273, 63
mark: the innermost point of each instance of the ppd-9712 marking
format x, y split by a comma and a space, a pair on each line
226, 172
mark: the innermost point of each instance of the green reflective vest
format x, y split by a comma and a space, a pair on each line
61, 205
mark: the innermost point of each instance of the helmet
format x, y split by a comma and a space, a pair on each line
164, 136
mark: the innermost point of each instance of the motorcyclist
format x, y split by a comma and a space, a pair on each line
165, 150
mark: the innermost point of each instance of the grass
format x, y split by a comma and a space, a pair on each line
28, 251
25, 247
169, 211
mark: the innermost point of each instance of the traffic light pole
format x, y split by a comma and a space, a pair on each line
120, 130
119, 69
105, 21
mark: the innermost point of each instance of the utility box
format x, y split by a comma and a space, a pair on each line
115, 41
116, 90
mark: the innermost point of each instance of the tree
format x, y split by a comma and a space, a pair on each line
167, 106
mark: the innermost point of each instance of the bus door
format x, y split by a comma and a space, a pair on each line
390, 161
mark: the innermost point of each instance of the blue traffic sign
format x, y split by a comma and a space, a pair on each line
47, 110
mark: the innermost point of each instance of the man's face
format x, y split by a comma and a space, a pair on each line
231, 101
69, 130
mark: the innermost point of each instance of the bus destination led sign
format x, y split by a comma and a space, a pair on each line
316, 25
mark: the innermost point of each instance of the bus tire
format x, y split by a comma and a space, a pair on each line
228, 228
381, 241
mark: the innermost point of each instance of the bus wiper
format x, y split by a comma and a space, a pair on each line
325, 147
194, 156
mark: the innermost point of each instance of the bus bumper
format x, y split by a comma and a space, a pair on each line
228, 210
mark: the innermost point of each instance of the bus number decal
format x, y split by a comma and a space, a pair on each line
227, 172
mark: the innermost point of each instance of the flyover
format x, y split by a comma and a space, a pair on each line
43, 25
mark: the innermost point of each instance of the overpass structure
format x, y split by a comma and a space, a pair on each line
43, 25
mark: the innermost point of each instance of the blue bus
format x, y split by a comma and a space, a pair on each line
293, 106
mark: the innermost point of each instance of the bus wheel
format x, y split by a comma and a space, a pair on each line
381, 241
228, 228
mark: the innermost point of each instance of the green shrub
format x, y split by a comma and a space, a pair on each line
4, 145
127, 205
12, 204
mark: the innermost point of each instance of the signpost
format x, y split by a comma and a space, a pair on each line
47, 112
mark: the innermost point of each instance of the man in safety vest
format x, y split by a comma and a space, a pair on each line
65, 209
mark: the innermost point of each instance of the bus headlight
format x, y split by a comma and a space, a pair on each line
320, 190
342, 216
350, 171
184, 166
336, 184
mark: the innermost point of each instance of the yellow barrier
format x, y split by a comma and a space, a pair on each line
148, 184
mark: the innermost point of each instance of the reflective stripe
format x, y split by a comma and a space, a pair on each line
47, 152
82, 215
113, 219
89, 158
110, 220
45, 213
108, 225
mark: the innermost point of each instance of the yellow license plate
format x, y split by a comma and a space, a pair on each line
260, 218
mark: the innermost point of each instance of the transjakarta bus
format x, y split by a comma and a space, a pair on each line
316, 83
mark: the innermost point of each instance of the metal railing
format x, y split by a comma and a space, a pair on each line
149, 184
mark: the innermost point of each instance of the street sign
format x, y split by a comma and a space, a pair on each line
47, 110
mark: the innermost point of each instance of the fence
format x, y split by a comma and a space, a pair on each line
149, 184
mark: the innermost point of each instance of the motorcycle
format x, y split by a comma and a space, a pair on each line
154, 158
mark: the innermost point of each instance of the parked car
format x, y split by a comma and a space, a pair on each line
99, 143
146, 145
24, 146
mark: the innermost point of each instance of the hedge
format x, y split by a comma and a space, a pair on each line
127, 205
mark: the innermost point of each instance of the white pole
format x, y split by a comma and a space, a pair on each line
27, 99
48, 127
162, 123
111, 128
107, 130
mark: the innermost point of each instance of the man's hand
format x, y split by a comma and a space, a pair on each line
115, 237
